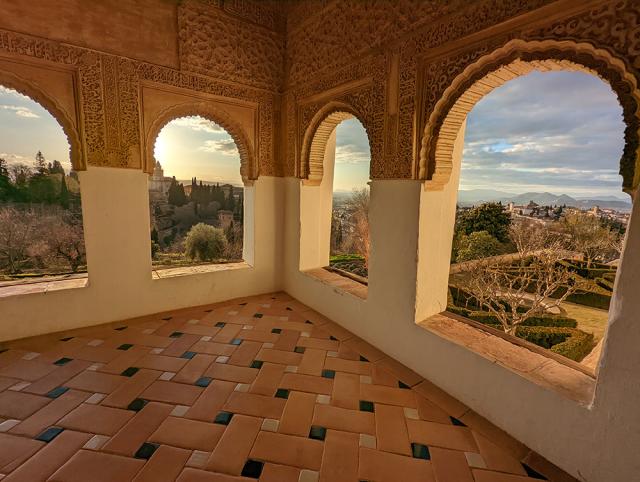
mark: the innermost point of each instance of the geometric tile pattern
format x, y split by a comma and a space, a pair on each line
261, 388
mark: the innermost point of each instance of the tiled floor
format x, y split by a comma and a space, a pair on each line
260, 388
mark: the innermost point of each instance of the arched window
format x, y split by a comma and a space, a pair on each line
540, 216
196, 195
41, 229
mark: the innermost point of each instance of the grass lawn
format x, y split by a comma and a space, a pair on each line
591, 320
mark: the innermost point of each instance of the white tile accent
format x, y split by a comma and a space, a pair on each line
332, 354
247, 327
222, 359
367, 440
166, 376
179, 410
95, 398
232, 313
193, 322
157, 351
95, 342
284, 318
308, 476
270, 425
305, 334
205, 338
8, 424
267, 345
95, 366
323, 399
148, 331
366, 379
291, 369
198, 459
266, 305
19, 386
411, 413
96, 442
242, 387
475, 460
31, 355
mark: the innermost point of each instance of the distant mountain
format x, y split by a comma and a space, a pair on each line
478, 196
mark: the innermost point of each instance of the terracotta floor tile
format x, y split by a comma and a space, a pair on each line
391, 430
162, 363
385, 467
133, 386
227, 333
233, 448
102, 354
7, 382
490, 476
319, 343
258, 336
346, 390
231, 373
288, 450
165, 465
381, 376
401, 372
14, 450
20, 405
170, 392
255, 405
347, 353
496, 457
153, 340
343, 419
97, 467
279, 473
337, 331
279, 356
57, 377
268, 379
96, 382
366, 350
482, 426
450, 465
96, 419
245, 353
195, 475
307, 383
441, 435
430, 411
182, 344
287, 340
388, 395
129, 358
211, 401
188, 434
50, 414
27, 370
298, 414
442, 399
194, 368
312, 362
348, 366
211, 348
137, 430
340, 458
46, 461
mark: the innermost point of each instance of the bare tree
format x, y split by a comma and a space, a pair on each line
66, 241
357, 208
536, 284
588, 236
16, 229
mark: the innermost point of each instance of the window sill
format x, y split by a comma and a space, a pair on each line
340, 283
163, 273
43, 285
537, 365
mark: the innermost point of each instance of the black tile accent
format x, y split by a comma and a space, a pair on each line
167, 318
208, 311
366, 406
49, 434
176, 334
223, 418
243, 304
137, 405
129, 372
308, 322
188, 355
457, 422
420, 451
282, 393
56, 392
252, 469
331, 337
62, 361
146, 450
220, 324
125, 346
328, 374
203, 381
404, 385
363, 358
2, 350
257, 315
289, 309
317, 432
236, 341
532, 473
67, 338
121, 328
277, 330
299, 349
256, 364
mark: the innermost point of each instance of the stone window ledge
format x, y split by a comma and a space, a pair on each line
163, 273
537, 365
43, 285
341, 284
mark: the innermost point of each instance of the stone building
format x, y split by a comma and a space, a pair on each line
150, 375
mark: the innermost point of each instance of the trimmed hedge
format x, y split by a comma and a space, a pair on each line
590, 298
596, 270
545, 320
569, 342
605, 284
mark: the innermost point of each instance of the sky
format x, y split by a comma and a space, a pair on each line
560, 132
353, 156
26, 127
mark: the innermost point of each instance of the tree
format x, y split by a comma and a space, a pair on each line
6, 188
15, 237
176, 195
516, 292
588, 236
56, 168
204, 242
357, 209
489, 217
64, 193
67, 241
41, 164
479, 244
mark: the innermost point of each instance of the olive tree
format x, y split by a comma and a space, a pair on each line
205, 242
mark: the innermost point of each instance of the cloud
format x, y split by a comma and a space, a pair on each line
225, 147
20, 111
197, 123
351, 154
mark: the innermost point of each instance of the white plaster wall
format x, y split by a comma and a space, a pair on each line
116, 223
595, 444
